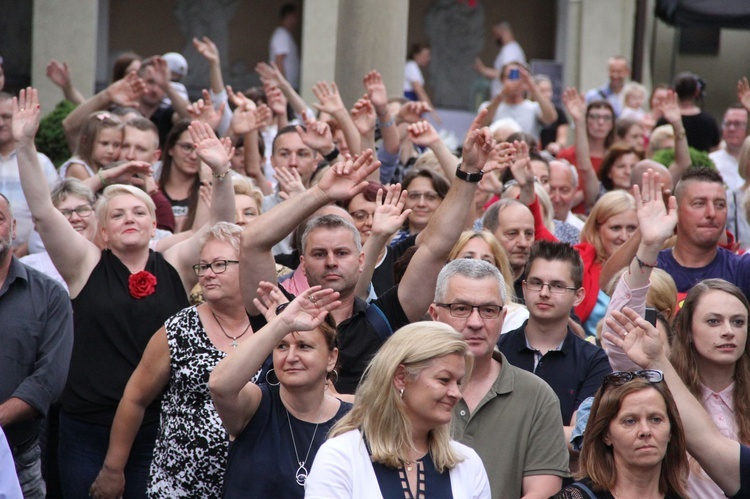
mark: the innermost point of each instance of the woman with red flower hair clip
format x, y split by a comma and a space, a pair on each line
121, 295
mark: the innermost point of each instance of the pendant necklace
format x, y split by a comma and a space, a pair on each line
233, 338
301, 474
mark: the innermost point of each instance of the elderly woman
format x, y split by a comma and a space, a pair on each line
396, 440
278, 426
634, 444
120, 297
191, 448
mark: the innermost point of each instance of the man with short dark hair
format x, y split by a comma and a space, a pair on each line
530, 460
36, 339
545, 345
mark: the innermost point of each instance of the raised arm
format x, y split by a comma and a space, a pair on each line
575, 103
235, 398
424, 134
343, 180
146, 383
59, 74
124, 92
205, 111
378, 95
329, 101
216, 154
273, 75
363, 117
743, 93
671, 112
548, 113
160, 73
73, 255
416, 290
388, 218
718, 455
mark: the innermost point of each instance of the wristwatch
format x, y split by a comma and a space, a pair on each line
332, 155
468, 177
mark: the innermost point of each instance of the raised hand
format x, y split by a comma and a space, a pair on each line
743, 93
346, 179
329, 97
640, 341
270, 73
26, 113
500, 158
389, 215
521, 165
212, 151
289, 181
127, 173
656, 221
478, 144
423, 134
411, 112
575, 103
59, 73
207, 49
276, 100
159, 71
203, 110
304, 313
669, 108
376, 89
316, 135
363, 115
127, 91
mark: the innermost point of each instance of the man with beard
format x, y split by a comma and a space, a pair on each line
510, 51
36, 341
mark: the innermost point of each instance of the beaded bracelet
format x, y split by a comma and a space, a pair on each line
642, 264
104, 182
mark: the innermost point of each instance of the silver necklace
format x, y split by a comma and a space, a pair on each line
233, 338
300, 475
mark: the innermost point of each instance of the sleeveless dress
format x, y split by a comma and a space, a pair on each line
191, 448
262, 461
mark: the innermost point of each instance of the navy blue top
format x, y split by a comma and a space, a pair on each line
574, 372
262, 460
726, 265
435, 485
744, 492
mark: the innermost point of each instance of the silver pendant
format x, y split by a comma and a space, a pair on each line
234, 344
301, 475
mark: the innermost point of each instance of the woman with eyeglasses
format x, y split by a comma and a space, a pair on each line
180, 175
634, 445
191, 447
278, 426
120, 296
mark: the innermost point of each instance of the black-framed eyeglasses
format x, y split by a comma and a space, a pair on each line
217, 267
558, 288
464, 310
82, 211
619, 378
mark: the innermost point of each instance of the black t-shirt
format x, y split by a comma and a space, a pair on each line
382, 277
162, 118
549, 132
701, 130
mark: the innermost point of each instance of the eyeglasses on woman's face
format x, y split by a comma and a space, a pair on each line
217, 267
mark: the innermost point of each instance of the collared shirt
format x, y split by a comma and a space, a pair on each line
574, 372
36, 339
10, 187
536, 445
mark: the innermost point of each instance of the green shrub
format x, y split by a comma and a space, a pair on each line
50, 139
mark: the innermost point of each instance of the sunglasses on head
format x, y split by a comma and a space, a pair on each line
619, 378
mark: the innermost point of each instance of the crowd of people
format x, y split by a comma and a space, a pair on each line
243, 297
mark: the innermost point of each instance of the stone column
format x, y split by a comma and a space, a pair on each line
66, 34
371, 35
319, 38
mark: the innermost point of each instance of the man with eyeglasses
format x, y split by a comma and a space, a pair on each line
545, 345
531, 459
733, 133
10, 181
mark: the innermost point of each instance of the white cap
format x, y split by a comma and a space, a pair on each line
177, 64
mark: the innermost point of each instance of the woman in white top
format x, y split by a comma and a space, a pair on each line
419, 58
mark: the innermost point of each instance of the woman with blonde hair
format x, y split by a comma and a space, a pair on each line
396, 441
483, 245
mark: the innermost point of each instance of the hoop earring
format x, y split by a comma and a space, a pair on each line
268, 382
331, 375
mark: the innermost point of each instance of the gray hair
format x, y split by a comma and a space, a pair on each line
72, 187
491, 217
469, 268
573, 170
330, 222
225, 232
